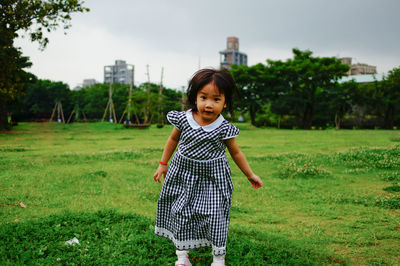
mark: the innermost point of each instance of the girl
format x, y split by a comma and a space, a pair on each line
194, 204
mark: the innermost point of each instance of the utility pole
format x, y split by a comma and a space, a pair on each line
160, 111
130, 94
110, 104
147, 108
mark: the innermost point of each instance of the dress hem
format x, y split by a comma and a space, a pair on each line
188, 244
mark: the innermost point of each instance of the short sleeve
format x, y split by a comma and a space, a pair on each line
230, 132
176, 119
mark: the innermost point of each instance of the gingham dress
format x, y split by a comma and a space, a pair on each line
194, 204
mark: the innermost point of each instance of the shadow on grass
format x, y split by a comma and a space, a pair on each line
107, 237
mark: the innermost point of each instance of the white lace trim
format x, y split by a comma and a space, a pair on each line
189, 244
230, 137
208, 128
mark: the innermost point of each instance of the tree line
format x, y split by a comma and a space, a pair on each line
305, 92
40, 98
301, 92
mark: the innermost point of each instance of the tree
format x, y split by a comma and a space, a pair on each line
36, 17
382, 97
340, 99
304, 79
252, 84
391, 91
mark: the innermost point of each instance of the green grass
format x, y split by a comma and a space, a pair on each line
329, 197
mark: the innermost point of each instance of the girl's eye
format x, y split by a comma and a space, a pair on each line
217, 99
202, 97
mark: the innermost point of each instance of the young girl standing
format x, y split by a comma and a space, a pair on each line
194, 204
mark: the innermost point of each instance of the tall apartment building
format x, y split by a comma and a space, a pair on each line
88, 82
359, 68
121, 72
231, 55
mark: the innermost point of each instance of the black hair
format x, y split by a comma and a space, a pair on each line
222, 79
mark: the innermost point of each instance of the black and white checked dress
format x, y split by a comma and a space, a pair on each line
194, 204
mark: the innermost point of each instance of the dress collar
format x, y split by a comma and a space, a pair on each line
207, 128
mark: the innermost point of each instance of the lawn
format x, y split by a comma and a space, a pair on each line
329, 196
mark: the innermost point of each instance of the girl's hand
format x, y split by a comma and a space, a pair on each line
255, 181
161, 171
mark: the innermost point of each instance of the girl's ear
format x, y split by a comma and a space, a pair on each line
224, 105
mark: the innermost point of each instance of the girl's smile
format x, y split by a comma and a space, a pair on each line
210, 103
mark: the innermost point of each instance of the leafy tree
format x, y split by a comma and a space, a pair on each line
340, 100
253, 84
382, 98
36, 17
304, 79
391, 99
41, 97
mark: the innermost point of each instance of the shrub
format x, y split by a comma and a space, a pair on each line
380, 158
302, 168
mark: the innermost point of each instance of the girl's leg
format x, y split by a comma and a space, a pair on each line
183, 258
218, 260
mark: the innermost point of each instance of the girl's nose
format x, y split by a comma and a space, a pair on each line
208, 104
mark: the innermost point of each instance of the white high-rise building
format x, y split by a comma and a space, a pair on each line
121, 72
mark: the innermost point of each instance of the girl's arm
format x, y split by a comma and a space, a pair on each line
239, 158
169, 149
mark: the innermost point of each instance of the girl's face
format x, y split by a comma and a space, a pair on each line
210, 102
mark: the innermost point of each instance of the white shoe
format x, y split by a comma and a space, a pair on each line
219, 262
184, 262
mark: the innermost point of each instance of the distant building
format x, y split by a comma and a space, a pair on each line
121, 72
77, 88
231, 55
88, 82
359, 68
364, 78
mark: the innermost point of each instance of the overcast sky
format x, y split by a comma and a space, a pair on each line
180, 35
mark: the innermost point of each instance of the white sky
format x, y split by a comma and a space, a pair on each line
178, 34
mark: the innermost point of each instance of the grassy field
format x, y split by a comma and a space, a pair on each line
329, 197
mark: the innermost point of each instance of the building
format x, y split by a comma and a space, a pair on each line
121, 72
231, 55
77, 88
364, 78
359, 68
88, 82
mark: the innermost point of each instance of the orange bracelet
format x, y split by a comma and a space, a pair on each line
163, 163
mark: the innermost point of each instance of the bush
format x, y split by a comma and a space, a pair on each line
302, 167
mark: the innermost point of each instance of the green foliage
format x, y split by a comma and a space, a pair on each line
253, 84
371, 158
390, 176
293, 87
266, 117
305, 80
45, 16
381, 98
40, 99
302, 167
394, 188
41, 96
16, 17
